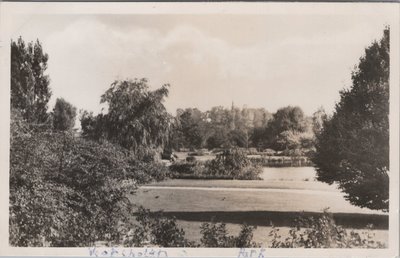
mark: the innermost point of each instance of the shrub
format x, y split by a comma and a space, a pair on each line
233, 163
322, 232
191, 159
145, 172
155, 229
216, 235
66, 191
186, 168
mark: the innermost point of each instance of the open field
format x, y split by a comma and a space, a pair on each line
277, 200
283, 189
242, 199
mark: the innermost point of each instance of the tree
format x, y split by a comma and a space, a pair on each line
30, 91
192, 127
318, 119
64, 115
219, 139
285, 123
353, 147
238, 138
136, 119
288, 118
288, 140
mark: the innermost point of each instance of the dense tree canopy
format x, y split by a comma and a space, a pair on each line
353, 147
30, 91
192, 126
288, 119
288, 129
218, 127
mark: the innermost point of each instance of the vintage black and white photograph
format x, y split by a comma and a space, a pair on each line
201, 130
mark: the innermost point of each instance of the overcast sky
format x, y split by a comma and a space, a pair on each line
266, 61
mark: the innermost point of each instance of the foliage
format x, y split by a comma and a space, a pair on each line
286, 128
30, 91
219, 139
146, 172
233, 163
353, 147
64, 115
288, 119
318, 119
230, 164
66, 191
184, 167
136, 119
156, 229
216, 235
93, 127
289, 129
239, 138
225, 128
217, 127
292, 160
322, 232
191, 128
190, 159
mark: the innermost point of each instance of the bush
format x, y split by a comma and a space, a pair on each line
191, 159
66, 191
145, 172
155, 229
186, 168
216, 235
322, 232
233, 163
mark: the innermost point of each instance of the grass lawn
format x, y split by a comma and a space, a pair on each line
239, 199
281, 197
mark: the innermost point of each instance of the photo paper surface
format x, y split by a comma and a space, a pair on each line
200, 129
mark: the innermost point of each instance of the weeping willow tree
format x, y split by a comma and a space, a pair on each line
136, 119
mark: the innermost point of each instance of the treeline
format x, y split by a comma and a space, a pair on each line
288, 129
